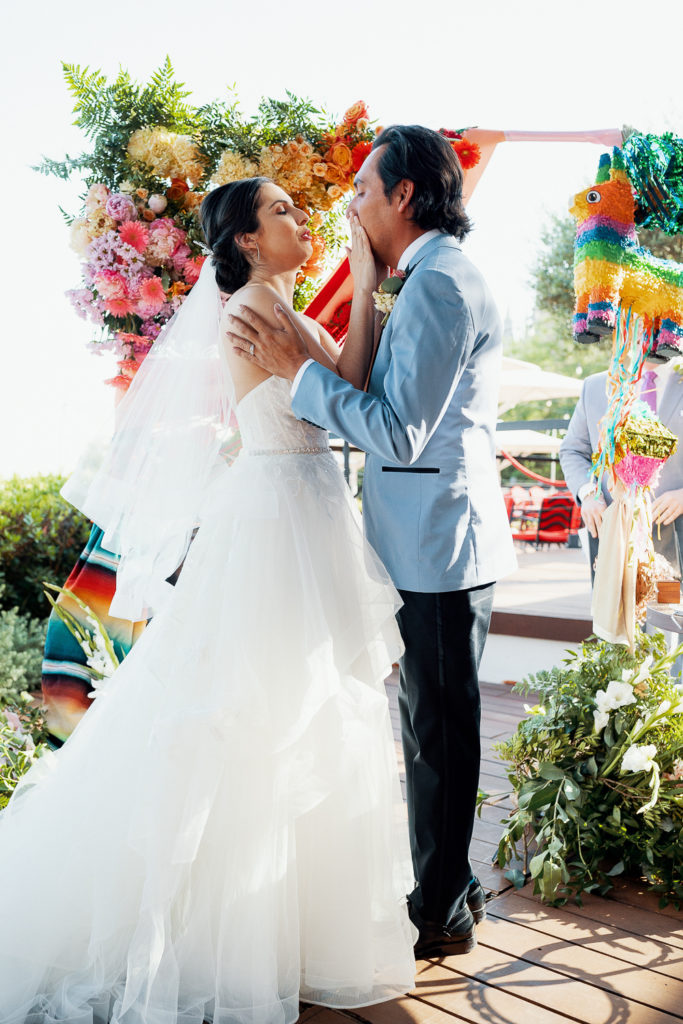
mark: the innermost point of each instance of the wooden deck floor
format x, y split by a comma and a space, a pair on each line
612, 961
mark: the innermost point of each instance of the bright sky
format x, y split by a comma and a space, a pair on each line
529, 65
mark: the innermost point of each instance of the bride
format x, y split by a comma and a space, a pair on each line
239, 843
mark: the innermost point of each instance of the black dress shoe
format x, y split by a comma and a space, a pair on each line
476, 900
437, 941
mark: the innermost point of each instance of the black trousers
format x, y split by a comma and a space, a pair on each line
440, 707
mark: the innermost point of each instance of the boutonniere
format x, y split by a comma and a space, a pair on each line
385, 297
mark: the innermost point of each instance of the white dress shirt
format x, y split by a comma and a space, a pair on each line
406, 256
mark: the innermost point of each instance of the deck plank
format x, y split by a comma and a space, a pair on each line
649, 922
638, 950
546, 989
598, 971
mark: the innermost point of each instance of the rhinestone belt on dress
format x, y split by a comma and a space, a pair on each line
320, 450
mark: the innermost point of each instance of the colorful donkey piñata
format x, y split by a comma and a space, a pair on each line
611, 269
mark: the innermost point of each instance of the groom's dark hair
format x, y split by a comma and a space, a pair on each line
426, 158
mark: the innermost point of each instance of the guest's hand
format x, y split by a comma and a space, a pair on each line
366, 270
667, 507
592, 511
280, 351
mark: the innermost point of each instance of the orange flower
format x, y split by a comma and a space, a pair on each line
340, 154
313, 266
334, 174
177, 189
193, 200
355, 112
178, 288
149, 214
359, 153
468, 153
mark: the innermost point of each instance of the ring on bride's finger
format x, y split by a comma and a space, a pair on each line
252, 349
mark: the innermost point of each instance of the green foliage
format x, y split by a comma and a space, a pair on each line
590, 820
23, 738
21, 653
110, 113
41, 537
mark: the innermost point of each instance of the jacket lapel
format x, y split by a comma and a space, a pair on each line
374, 387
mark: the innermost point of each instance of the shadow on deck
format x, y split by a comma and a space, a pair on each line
612, 961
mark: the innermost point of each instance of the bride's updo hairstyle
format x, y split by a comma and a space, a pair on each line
226, 212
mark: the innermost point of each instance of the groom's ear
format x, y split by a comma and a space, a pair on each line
404, 191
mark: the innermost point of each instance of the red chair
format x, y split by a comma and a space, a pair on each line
552, 526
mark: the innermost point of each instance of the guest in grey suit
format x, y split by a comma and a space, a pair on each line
664, 393
432, 504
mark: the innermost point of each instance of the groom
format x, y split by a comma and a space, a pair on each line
431, 499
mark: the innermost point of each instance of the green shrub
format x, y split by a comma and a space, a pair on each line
41, 536
597, 768
21, 653
23, 738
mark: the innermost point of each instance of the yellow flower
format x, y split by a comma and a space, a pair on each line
319, 168
233, 167
335, 192
99, 223
167, 154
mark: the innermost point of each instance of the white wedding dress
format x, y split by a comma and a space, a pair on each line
223, 834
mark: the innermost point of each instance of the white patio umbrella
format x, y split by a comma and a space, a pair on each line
527, 382
526, 442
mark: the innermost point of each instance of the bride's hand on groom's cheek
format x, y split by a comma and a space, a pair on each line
280, 351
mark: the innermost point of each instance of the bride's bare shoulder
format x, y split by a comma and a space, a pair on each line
259, 297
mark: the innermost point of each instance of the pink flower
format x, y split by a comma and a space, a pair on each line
151, 297
164, 240
14, 722
135, 234
119, 307
110, 285
150, 330
192, 269
121, 208
180, 256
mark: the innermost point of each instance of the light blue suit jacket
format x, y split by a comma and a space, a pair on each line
432, 504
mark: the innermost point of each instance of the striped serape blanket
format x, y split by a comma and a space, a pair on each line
66, 679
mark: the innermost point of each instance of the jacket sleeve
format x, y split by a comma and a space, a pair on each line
576, 450
432, 340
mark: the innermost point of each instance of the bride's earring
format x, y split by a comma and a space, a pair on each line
258, 254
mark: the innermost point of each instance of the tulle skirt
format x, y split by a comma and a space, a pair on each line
240, 843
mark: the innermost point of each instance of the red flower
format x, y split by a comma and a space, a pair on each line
468, 153
449, 134
359, 153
